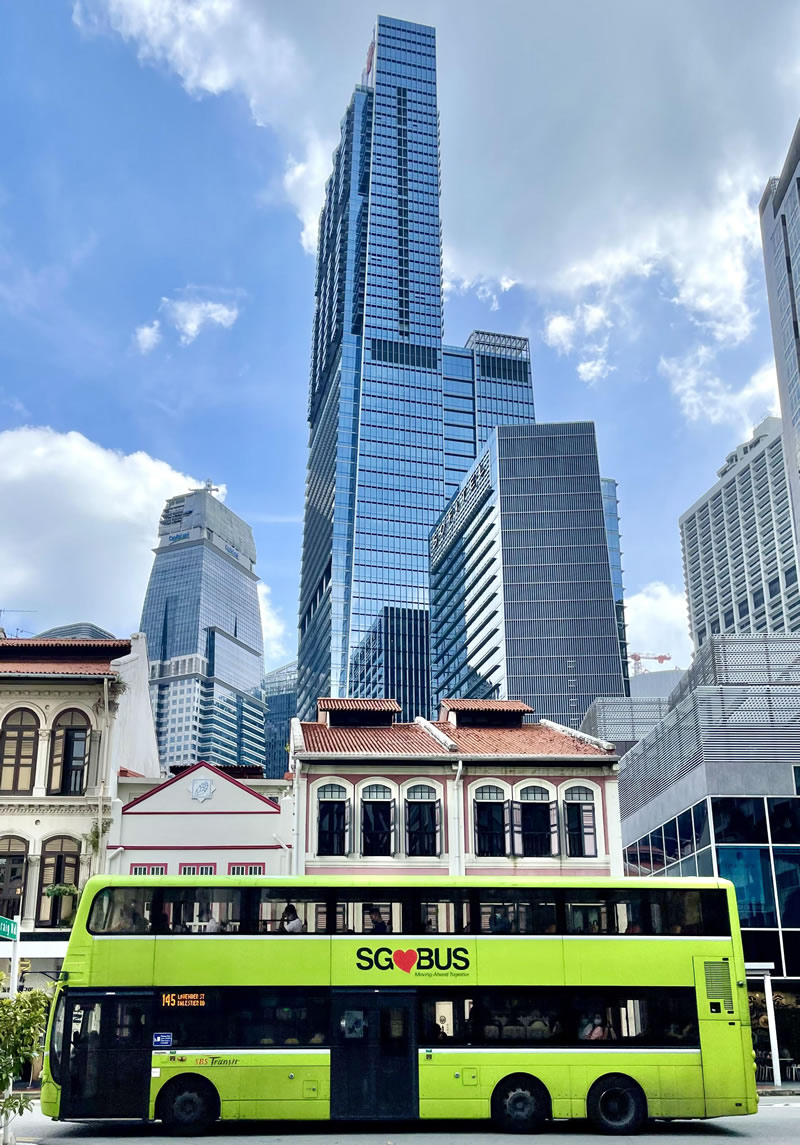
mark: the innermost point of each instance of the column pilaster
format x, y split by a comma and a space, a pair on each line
31, 893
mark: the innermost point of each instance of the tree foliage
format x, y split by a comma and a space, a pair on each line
22, 1023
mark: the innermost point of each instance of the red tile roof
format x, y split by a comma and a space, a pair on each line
399, 739
19, 667
485, 706
20, 657
413, 739
527, 739
351, 704
11, 642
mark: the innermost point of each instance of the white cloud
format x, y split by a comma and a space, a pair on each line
559, 332
273, 628
190, 315
704, 396
658, 622
304, 184
147, 337
592, 370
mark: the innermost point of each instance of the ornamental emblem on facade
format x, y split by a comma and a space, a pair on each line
202, 789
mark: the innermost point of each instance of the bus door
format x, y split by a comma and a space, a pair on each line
108, 1051
373, 1055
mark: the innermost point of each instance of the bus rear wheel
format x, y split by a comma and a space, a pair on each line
188, 1105
520, 1104
616, 1105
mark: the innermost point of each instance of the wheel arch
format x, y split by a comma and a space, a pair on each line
523, 1077
173, 1083
614, 1079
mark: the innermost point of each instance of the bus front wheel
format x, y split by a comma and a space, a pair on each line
616, 1105
520, 1104
188, 1105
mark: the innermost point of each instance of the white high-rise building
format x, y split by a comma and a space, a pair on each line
780, 235
738, 543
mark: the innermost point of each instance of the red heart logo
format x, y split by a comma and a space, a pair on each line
405, 959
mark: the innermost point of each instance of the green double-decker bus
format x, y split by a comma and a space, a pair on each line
191, 999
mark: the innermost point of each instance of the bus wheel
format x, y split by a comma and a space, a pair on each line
616, 1104
520, 1104
188, 1105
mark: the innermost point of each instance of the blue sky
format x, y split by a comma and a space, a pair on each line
159, 183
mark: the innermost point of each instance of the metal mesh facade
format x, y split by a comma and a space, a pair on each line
623, 720
753, 659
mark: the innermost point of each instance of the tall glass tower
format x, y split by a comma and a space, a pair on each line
203, 627
375, 482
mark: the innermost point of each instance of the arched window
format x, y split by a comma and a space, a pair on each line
333, 820
539, 794
60, 868
538, 823
423, 821
580, 827
13, 852
69, 754
377, 820
18, 739
492, 821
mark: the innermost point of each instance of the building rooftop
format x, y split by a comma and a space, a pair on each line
42, 657
81, 630
484, 706
352, 704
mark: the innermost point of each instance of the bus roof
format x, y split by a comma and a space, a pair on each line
492, 882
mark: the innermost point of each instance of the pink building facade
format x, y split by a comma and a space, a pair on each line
477, 792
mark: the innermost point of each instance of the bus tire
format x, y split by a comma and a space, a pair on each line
616, 1104
520, 1104
188, 1104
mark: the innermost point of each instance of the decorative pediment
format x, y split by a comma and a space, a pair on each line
202, 789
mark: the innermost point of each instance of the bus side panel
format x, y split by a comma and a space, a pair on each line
120, 960
250, 1085
681, 1090
227, 960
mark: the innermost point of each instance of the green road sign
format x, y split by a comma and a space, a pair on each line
8, 928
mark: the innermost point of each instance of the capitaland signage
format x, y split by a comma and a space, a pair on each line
178, 537
231, 551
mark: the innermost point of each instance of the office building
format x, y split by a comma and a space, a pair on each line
395, 418
779, 211
82, 630
739, 553
280, 696
522, 601
623, 720
203, 627
714, 789
611, 517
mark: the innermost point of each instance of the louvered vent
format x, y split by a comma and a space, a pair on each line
718, 984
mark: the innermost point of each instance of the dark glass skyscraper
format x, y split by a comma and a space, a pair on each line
523, 602
280, 694
203, 627
396, 418
376, 464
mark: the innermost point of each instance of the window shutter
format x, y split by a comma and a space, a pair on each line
589, 833
407, 825
348, 826
516, 828
475, 827
508, 826
438, 821
394, 842
555, 834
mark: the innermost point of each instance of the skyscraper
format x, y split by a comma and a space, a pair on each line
739, 559
203, 627
779, 210
522, 600
611, 516
388, 441
280, 694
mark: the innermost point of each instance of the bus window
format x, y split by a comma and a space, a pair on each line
695, 912
538, 916
587, 913
239, 1016
57, 1038
498, 912
361, 915
296, 913
628, 913
446, 913
121, 910
199, 910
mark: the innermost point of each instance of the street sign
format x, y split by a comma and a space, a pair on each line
8, 928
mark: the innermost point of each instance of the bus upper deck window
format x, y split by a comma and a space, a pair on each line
121, 910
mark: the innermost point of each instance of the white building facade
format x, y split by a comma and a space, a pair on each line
739, 550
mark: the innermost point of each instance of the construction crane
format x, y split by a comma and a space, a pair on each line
637, 657
17, 612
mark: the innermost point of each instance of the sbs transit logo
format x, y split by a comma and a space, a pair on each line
420, 958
